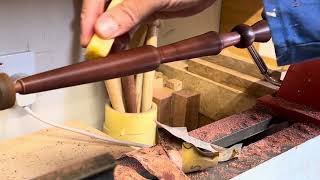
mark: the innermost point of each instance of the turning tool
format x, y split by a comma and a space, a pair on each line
133, 61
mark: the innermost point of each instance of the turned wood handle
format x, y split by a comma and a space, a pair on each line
212, 43
143, 59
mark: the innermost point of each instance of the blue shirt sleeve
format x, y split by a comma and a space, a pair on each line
295, 28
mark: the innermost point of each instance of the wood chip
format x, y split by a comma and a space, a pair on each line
156, 161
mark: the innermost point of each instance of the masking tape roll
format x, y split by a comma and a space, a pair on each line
132, 127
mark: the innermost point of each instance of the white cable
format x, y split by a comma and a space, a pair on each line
86, 133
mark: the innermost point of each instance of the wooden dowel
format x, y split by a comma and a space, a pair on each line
138, 40
139, 82
147, 90
128, 82
114, 89
98, 48
129, 93
149, 76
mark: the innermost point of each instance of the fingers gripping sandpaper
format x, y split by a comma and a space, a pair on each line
199, 155
98, 48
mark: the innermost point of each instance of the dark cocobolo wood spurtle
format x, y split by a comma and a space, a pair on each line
140, 60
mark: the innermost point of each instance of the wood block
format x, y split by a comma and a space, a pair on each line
174, 84
158, 75
232, 78
216, 100
185, 109
242, 66
158, 83
163, 98
204, 120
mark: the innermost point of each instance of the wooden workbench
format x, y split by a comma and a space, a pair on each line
50, 150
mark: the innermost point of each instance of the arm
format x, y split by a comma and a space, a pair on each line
128, 14
295, 28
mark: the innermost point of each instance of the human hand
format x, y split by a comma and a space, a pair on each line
130, 13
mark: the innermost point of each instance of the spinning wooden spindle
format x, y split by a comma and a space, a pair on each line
132, 61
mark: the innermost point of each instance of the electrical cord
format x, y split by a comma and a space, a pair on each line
78, 131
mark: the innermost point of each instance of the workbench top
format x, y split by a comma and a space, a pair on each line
50, 150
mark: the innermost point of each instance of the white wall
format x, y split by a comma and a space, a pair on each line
177, 29
51, 30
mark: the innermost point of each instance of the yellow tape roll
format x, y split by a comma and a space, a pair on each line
132, 127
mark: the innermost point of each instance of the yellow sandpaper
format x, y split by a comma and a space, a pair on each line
132, 127
98, 47
194, 159
198, 154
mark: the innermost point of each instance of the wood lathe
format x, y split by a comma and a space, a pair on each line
275, 125
133, 61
